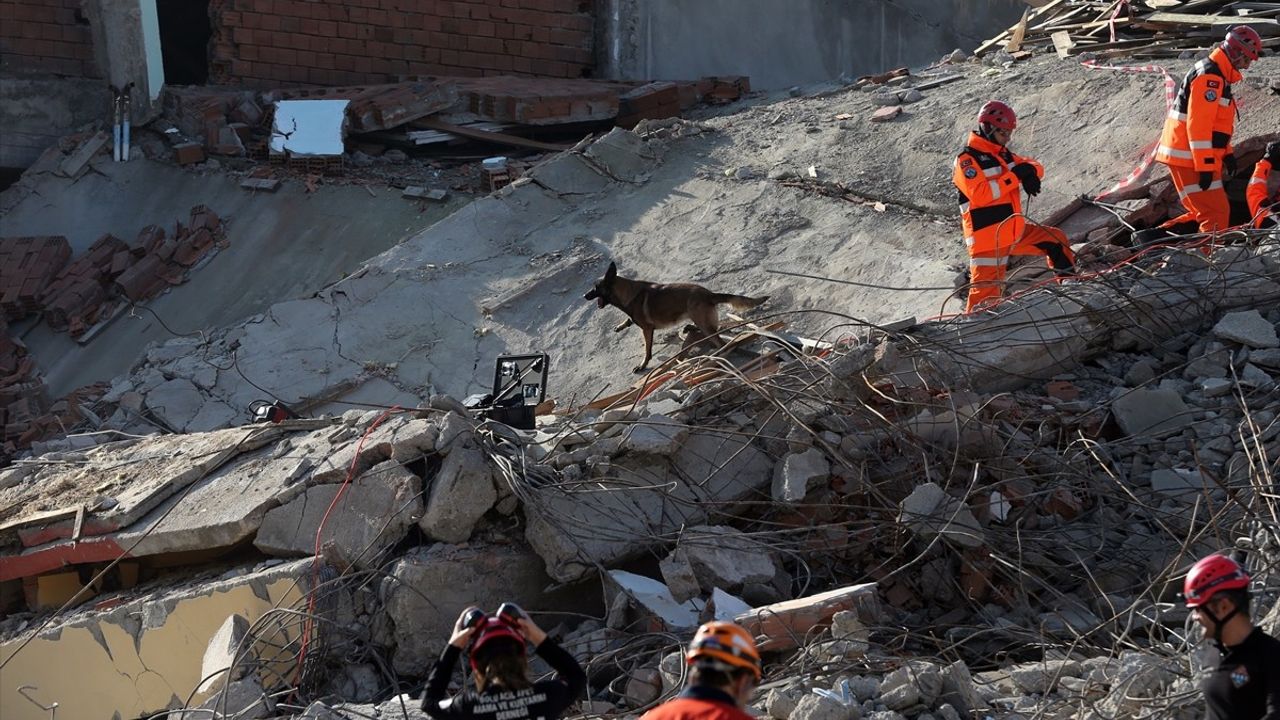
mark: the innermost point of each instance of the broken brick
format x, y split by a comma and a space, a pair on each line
188, 153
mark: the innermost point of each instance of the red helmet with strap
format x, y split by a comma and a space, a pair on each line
493, 629
1210, 576
1242, 41
998, 115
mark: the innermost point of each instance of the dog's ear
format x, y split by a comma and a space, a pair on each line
612, 272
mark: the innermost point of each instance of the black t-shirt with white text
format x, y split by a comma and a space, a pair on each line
546, 700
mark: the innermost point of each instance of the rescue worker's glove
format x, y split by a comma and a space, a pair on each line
1272, 155
1027, 176
1230, 165
1206, 179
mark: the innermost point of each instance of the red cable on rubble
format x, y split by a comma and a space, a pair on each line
315, 563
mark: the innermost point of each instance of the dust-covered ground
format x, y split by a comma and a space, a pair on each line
710, 203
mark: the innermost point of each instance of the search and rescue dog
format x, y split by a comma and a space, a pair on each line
651, 306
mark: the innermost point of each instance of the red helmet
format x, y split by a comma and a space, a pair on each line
1211, 575
997, 114
493, 629
1242, 41
726, 643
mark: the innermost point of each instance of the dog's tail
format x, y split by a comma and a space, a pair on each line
738, 302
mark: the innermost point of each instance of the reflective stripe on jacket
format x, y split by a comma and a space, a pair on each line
1197, 132
1256, 193
989, 194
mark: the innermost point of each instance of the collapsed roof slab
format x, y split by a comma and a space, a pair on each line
507, 273
141, 656
283, 245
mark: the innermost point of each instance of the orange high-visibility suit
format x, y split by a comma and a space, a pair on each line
1196, 138
991, 214
1258, 195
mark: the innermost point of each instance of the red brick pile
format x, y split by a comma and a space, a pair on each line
61, 417
46, 36
27, 265
533, 101
77, 297
163, 261
334, 42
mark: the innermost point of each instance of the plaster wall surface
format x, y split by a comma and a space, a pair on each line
137, 658
779, 43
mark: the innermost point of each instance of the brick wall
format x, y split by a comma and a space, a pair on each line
44, 36
352, 42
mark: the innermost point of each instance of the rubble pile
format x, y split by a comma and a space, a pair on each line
1092, 29
894, 482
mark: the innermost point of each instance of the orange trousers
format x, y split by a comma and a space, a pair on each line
987, 269
1209, 209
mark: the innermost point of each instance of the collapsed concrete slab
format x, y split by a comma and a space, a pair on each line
631, 504
145, 654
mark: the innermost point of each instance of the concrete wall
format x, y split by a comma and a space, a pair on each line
140, 657
48, 37
779, 43
335, 42
36, 111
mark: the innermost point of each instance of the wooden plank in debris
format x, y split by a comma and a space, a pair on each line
487, 136
939, 81
1063, 43
1185, 19
1019, 32
1002, 36
788, 625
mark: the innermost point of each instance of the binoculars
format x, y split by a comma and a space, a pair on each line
510, 613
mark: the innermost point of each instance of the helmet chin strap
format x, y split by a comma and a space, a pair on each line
1218, 624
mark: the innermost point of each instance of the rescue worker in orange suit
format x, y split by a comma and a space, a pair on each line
1264, 200
1196, 142
1245, 685
724, 669
990, 179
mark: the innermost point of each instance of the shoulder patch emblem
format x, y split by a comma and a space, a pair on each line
970, 173
966, 162
1212, 83
1211, 96
1240, 677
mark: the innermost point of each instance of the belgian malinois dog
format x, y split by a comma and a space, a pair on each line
658, 305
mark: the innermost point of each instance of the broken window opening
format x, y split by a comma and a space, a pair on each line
185, 32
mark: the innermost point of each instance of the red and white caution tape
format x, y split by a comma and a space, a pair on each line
1170, 90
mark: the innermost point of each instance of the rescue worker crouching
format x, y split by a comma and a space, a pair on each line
496, 646
724, 669
1196, 141
1261, 197
1245, 685
990, 179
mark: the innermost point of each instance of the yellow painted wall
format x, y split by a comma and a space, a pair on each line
92, 682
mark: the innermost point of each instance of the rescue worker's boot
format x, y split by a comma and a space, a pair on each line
1058, 259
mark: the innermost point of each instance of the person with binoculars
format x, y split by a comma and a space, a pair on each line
499, 664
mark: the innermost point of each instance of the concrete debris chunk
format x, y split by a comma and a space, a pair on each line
1268, 358
886, 114
241, 700
653, 606
1042, 677
263, 184
461, 492
783, 625
781, 702
959, 690
1177, 481
820, 707
677, 572
373, 514
1248, 328
644, 686
654, 435
724, 557
725, 607
800, 473
1151, 412
930, 511
226, 658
